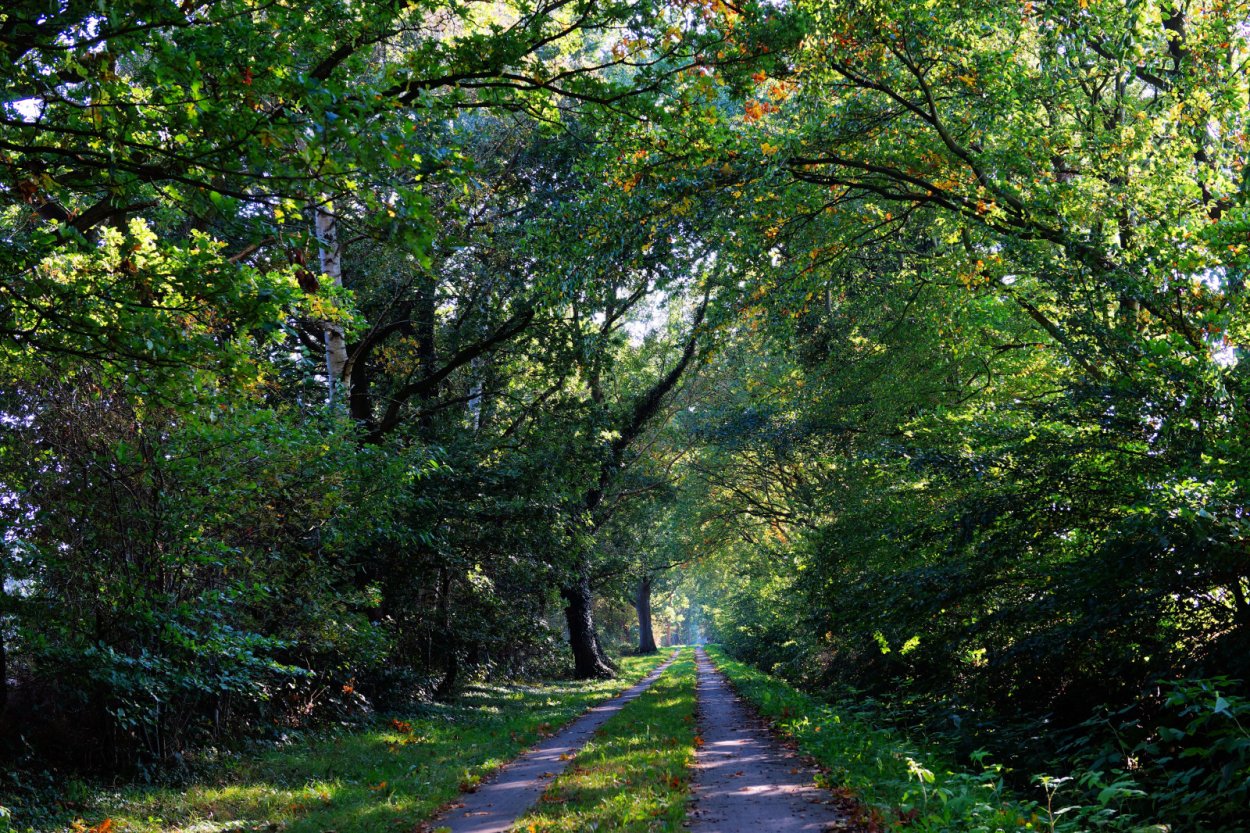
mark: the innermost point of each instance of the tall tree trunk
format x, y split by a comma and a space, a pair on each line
360, 398
603, 654
332, 265
425, 319
475, 401
446, 688
4, 659
642, 604
4, 676
588, 660
447, 648
1241, 608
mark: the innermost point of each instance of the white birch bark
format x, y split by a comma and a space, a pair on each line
332, 267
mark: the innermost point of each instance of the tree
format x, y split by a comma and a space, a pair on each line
173, 175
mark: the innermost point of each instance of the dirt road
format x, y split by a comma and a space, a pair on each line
745, 781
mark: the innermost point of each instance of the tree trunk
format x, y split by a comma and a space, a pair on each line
425, 319
1241, 610
642, 603
4, 676
332, 267
450, 661
360, 398
604, 655
4, 663
588, 660
446, 688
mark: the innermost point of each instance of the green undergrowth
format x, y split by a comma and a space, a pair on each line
634, 775
381, 779
897, 784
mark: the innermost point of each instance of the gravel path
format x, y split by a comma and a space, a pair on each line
496, 805
744, 780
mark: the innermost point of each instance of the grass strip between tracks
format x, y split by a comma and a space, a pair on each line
634, 775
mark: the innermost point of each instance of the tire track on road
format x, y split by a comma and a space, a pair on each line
744, 780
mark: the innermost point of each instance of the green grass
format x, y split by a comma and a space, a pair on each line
381, 779
900, 785
635, 774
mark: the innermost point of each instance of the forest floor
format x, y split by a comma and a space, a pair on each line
381, 778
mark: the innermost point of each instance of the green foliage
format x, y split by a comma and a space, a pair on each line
195, 589
1209, 778
920, 326
137, 300
974, 445
204, 540
1188, 747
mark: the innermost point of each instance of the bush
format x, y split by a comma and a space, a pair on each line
213, 590
1189, 749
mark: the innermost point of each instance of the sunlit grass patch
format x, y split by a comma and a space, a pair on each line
380, 779
635, 774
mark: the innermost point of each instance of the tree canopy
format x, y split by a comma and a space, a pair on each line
351, 352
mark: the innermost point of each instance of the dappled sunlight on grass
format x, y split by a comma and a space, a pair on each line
386, 777
634, 774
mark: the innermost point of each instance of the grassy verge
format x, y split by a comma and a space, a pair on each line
380, 779
635, 774
895, 784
